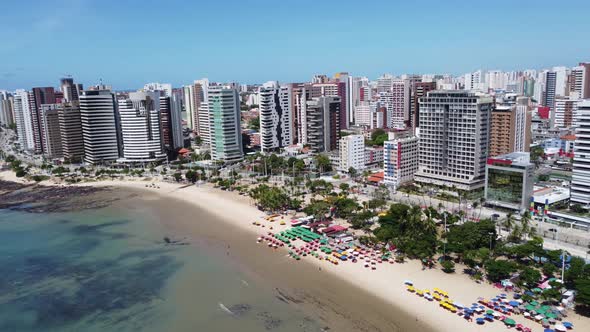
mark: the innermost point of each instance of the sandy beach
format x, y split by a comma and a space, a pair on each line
408, 311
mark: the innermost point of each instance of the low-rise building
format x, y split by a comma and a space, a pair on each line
400, 158
509, 181
352, 152
373, 155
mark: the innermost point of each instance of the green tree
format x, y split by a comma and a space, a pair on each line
471, 236
254, 123
500, 269
344, 187
537, 154
191, 176
352, 172
317, 208
378, 137
177, 176
448, 266
323, 163
529, 277
583, 291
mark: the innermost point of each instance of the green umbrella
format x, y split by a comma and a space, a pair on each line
537, 290
535, 303
551, 315
509, 321
541, 311
530, 307
490, 312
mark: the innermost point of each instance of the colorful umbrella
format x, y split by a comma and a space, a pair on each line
509, 322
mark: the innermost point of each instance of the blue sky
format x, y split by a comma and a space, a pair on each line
129, 43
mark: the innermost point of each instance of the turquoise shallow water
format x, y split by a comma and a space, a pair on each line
110, 270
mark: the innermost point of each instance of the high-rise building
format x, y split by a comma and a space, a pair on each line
400, 91
322, 123
225, 130
6, 109
550, 82
275, 116
580, 189
166, 88
580, 81
38, 97
475, 80
171, 119
454, 138
419, 90
565, 107
140, 124
400, 158
352, 152
52, 147
510, 128
71, 91
70, 128
99, 126
23, 120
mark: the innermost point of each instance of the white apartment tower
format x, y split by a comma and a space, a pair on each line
276, 125
224, 128
140, 123
23, 120
400, 158
352, 152
99, 126
454, 138
580, 189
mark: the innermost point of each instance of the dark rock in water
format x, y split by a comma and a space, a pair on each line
167, 240
270, 322
240, 309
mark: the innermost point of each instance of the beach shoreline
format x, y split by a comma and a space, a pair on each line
384, 284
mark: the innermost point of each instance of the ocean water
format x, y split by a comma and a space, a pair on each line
111, 270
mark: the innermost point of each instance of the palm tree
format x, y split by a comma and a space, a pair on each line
508, 223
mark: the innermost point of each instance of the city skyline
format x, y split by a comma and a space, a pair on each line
251, 43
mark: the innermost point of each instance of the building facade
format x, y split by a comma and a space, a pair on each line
99, 126
352, 152
322, 123
509, 181
23, 120
276, 125
580, 188
454, 138
140, 123
565, 108
70, 128
400, 158
52, 147
225, 131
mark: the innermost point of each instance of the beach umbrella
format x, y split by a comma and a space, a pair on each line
551, 315
458, 305
530, 307
509, 322
408, 282
480, 321
526, 314
548, 330
538, 317
568, 325
490, 312
489, 317
503, 295
537, 290
513, 303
